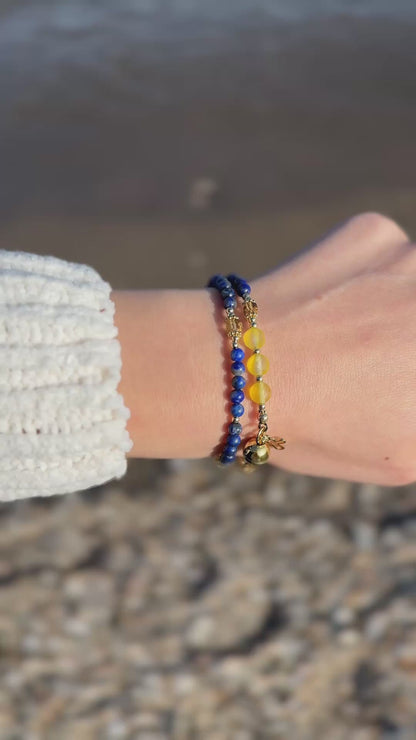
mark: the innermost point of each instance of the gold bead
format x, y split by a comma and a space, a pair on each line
260, 392
250, 309
233, 327
255, 454
254, 338
257, 364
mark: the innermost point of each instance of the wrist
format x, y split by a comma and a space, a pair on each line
175, 376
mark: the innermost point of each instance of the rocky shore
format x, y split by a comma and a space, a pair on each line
187, 602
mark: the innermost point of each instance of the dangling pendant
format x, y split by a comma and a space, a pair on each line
256, 451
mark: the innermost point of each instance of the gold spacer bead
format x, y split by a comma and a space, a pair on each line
233, 327
250, 309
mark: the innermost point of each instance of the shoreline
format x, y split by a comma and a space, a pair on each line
180, 251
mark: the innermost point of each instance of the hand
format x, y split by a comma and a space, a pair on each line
340, 328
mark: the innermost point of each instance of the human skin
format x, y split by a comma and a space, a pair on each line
339, 321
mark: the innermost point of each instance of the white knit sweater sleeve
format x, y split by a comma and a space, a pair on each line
62, 420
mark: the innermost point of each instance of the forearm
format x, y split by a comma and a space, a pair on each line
172, 371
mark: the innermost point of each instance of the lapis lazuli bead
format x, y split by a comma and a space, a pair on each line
237, 368
238, 382
237, 409
230, 302
235, 428
230, 450
216, 280
233, 440
226, 460
228, 292
237, 354
241, 286
237, 396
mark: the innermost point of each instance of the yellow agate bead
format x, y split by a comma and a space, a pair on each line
253, 338
260, 392
257, 364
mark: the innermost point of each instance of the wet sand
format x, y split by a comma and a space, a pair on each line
175, 253
109, 123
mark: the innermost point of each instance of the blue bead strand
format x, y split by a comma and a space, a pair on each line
235, 428
238, 382
237, 354
233, 440
237, 396
241, 286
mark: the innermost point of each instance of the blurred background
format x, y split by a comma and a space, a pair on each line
161, 141
177, 134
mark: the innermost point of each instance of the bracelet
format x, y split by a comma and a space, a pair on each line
234, 330
256, 449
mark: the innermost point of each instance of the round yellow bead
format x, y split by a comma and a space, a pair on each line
260, 392
253, 338
257, 364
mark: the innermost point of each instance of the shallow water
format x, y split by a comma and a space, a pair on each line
113, 114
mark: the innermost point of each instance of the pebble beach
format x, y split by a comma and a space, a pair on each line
190, 602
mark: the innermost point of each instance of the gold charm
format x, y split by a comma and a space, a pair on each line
255, 453
256, 450
262, 438
277, 442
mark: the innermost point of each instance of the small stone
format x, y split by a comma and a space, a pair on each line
369, 497
406, 658
275, 495
92, 696
403, 613
235, 673
90, 594
48, 714
184, 683
391, 538
232, 614
405, 555
377, 625
117, 730
336, 497
365, 536
280, 654
349, 638
343, 616
8, 724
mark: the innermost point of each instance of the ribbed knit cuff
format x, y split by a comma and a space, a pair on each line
62, 421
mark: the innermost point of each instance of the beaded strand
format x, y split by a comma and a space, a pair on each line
256, 450
234, 330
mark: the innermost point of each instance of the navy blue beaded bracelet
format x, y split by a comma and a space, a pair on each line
234, 329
